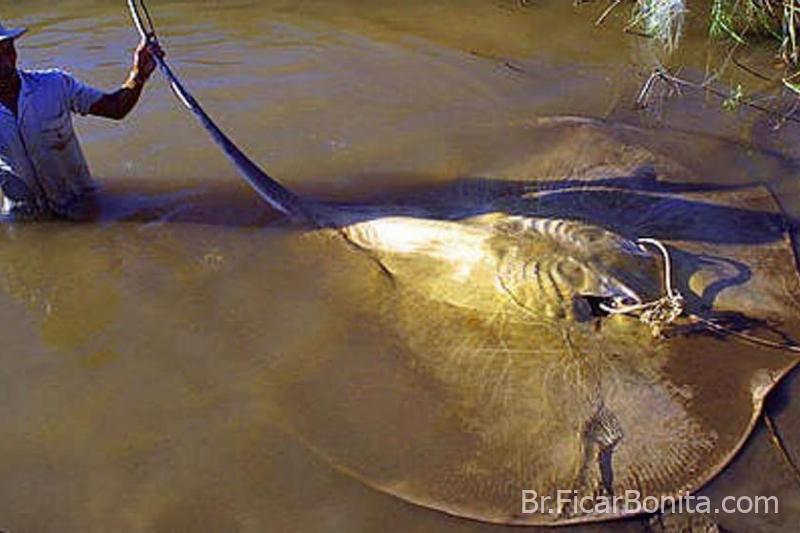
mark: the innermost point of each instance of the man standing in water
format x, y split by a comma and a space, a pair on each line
43, 171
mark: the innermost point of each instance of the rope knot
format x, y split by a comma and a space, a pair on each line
663, 312
657, 314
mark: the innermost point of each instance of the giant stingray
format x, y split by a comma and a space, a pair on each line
503, 369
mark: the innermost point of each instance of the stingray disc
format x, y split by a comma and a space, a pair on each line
483, 375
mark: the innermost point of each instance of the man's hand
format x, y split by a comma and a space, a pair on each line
118, 104
144, 62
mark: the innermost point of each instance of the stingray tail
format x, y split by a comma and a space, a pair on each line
275, 194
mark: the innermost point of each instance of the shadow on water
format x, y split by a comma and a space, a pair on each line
639, 205
631, 206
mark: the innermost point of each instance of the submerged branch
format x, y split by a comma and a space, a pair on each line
604, 15
675, 83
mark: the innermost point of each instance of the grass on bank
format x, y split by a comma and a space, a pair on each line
740, 21
736, 22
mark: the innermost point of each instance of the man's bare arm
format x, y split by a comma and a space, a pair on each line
118, 104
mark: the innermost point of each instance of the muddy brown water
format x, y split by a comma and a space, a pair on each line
135, 355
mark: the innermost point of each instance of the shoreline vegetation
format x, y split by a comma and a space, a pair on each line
742, 22
732, 24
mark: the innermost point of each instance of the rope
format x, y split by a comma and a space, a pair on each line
744, 336
660, 313
657, 314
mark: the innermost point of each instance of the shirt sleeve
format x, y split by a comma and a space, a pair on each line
6, 172
5, 167
80, 97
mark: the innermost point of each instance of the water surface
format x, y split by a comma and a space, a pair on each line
138, 356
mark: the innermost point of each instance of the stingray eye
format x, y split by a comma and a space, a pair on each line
588, 307
588, 236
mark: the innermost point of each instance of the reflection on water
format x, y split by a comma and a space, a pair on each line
137, 355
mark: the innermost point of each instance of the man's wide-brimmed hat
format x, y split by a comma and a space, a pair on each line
10, 33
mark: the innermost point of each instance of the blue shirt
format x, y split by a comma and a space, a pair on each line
40, 156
